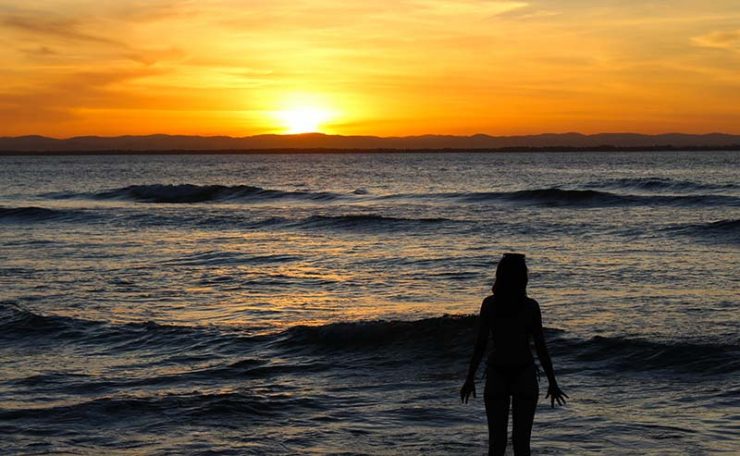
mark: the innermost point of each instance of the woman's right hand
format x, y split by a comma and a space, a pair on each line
467, 389
556, 395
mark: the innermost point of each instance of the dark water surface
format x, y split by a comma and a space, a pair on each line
321, 304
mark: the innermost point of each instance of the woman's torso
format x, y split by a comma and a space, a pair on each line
511, 322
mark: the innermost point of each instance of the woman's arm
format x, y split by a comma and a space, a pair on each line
468, 387
553, 392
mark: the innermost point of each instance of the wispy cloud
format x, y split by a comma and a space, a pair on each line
154, 56
728, 40
40, 51
64, 29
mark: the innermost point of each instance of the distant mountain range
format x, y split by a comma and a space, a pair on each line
549, 141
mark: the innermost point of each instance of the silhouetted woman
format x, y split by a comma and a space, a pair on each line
511, 318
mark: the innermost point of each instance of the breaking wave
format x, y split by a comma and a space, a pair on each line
721, 230
594, 198
659, 184
33, 214
444, 338
189, 193
182, 408
368, 221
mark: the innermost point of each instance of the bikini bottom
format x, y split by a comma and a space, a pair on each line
512, 379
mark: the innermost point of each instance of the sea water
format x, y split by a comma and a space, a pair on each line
325, 303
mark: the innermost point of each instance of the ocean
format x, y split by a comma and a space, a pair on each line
326, 303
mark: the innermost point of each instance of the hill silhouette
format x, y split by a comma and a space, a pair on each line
339, 142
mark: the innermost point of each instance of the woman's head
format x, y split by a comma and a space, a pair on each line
511, 276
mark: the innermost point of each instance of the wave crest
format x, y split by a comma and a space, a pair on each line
721, 230
658, 183
188, 408
621, 353
370, 221
190, 193
31, 214
593, 198
444, 339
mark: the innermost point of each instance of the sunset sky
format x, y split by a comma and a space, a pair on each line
382, 67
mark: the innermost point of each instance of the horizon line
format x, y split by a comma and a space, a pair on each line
318, 133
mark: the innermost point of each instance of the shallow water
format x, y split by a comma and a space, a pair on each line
293, 304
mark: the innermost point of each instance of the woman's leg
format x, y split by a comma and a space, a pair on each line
524, 403
497, 398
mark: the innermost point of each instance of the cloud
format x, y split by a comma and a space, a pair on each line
57, 102
85, 89
154, 10
154, 56
65, 29
40, 51
529, 12
729, 40
471, 8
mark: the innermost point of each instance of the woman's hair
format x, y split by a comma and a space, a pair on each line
511, 277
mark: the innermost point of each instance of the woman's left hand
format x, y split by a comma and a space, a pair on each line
556, 395
467, 389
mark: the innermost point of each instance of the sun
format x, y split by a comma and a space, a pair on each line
304, 119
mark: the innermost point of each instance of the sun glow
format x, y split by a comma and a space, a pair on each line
305, 119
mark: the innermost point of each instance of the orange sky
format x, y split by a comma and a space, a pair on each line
382, 67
